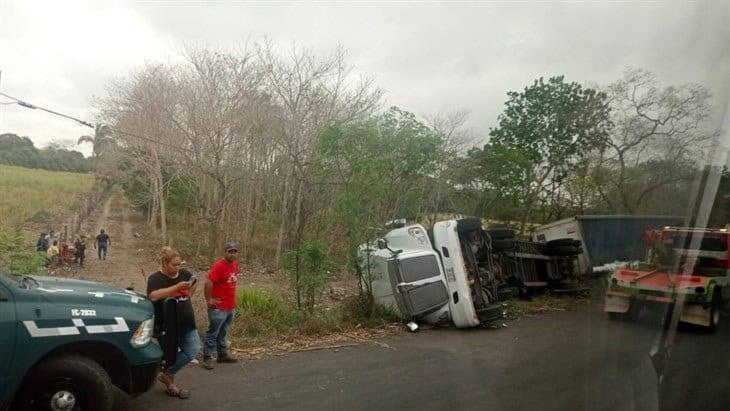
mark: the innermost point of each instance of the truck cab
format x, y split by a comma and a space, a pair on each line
72, 344
433, 278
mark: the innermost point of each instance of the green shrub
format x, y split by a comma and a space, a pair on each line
310, 267
258, 302
18, 256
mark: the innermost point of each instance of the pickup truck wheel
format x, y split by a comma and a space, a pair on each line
71, 382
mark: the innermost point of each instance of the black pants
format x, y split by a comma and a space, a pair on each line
80, 259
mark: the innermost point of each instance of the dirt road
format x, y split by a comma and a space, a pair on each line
124, 263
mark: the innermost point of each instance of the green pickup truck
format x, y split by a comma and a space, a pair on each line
68, 344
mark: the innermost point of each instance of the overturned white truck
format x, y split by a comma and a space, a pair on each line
458, 272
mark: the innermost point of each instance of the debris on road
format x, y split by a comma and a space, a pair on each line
302, 343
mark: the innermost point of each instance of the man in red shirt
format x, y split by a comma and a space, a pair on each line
220, 294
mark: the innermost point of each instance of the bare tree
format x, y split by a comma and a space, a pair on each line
312, 92
658, 135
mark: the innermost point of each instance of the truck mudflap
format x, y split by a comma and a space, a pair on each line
696, 314
616, 303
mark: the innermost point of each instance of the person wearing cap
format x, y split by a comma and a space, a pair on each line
220, 295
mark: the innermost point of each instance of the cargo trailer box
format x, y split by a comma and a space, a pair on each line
606, 238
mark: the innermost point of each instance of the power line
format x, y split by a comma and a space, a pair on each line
35, 107
87, 124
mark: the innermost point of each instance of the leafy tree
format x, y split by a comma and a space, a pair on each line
378, 170
542, 135
311, 268
20, 151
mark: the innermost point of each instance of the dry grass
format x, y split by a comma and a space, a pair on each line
545, 303
30, 192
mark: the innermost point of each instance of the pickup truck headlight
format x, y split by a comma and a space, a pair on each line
143, 335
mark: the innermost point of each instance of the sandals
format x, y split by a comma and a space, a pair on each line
183, 394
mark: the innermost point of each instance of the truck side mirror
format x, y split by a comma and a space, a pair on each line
382, 244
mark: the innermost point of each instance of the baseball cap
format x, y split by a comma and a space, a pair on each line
230, 246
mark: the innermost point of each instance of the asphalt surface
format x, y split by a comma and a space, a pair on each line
574, 360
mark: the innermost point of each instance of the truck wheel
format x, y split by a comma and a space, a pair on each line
715, 310
500, 233
563, 250
71, 382
121, 399
503, 245
559, 242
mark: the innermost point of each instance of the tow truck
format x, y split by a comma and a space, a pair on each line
687, 266
68, 344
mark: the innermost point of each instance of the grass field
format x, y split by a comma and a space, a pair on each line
25, 192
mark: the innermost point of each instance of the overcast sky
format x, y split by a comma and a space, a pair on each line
428, 57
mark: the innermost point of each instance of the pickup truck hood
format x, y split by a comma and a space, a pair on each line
61, 290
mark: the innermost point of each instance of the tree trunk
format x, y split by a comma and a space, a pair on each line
160, 194
284, 214
299, 220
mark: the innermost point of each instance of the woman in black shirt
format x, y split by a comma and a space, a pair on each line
172, 282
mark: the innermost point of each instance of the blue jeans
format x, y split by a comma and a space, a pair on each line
189, 348
215, 339
102, 251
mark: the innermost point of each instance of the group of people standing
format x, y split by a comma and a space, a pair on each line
177, 283
58, 251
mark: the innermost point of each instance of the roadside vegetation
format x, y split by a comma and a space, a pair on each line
38, 195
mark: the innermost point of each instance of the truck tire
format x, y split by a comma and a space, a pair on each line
468, 224
72, 380
122, 401
563, 250
500, 233
503, 245
559, 242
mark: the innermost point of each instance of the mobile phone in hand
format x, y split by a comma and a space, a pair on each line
193, 280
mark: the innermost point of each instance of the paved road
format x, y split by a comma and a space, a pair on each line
574, 360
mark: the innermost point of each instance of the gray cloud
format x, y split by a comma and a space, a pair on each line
429, 57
